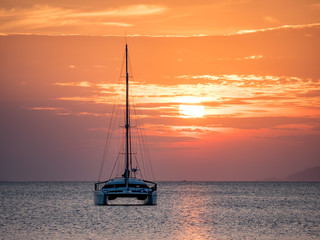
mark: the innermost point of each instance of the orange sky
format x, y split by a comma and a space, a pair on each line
228, 90
153, 18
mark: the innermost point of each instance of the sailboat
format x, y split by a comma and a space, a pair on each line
127, 185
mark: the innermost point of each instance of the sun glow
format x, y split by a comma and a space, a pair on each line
188, 99
191, 111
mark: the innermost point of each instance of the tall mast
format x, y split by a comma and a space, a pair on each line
127, 121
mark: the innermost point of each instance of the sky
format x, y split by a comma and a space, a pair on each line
227, 90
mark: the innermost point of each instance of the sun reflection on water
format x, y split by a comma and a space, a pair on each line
192, 210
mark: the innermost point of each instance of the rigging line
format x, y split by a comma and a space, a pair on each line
150, 162
142, 147
111, 129
117, 138
109, 133
145, 169
132, 107
118, 141
136, 118
147, 158
107, 141
146, 147
114, 167
140, 138
137, 132
130, 135
130, 147
138, 167
143, 142
147, 152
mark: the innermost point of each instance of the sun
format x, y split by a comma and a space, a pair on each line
191, 111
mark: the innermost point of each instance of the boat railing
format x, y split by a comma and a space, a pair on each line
154, 187
99, 185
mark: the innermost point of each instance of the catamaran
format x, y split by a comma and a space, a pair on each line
127, 185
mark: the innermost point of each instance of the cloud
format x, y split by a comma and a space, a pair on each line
311, 139
126, 11
43, 108
216, 95
271, 19
91, 114
298, 26
252, 57
310, 94
75, 84
218, 122
45, 16
95, 99
249, 80
170, 139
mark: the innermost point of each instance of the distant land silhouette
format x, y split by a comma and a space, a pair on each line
270, 180
307, 175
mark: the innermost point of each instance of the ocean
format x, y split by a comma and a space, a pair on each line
185, 210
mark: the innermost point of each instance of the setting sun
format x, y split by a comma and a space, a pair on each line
191, 111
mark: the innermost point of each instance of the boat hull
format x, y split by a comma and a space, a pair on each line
151, 198
103, 198
100, 198
112, 189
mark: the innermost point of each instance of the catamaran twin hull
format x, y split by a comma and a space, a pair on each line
118, 188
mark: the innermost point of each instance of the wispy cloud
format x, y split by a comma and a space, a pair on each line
207, 88
45, 16
212, 95
75, 84
132, 10
252, 57
43, 108
298, 26
271, 19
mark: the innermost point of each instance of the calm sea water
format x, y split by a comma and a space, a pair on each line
185, 210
